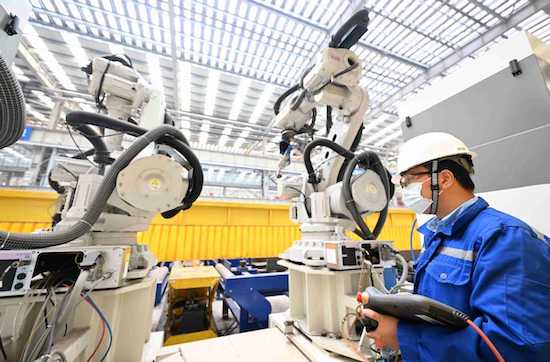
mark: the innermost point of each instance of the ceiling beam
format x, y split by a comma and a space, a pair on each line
469, 49
371, 47
487, 10
43, 24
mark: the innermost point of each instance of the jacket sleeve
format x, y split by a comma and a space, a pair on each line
509, 299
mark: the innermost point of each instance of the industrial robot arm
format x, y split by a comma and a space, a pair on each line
333, 82
110, 204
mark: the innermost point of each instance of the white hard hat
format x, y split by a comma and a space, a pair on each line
428, 147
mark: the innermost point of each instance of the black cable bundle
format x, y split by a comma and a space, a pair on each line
12, 107
369, 160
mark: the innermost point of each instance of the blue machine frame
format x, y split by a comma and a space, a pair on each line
244, 292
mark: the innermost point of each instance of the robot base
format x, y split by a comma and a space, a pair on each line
320, 299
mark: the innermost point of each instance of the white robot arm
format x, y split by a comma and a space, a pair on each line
120, 91
332, 194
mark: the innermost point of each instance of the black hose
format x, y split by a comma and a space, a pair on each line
353, 147
169, 120
12, 107
179, 144
80, 227
101, 152
329, 120
282, 97
55, 185
78, 117
312, 178
100, 120
370, 160
83, 155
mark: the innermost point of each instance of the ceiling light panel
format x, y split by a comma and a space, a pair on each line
273, 41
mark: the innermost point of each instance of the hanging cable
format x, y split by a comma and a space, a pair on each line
485, 339
369, 160
106, 188
312, 178
411, 246
98, 310
103, 330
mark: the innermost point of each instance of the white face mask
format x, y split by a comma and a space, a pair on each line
413, 199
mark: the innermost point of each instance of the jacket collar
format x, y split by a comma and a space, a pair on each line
456, 221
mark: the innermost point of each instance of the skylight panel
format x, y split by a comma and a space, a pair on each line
76, 49
44, 99
155, 73
224, 137
369, 126
211, 92
281, 23
319, 10
116, 49
20, 75
107, 5
36, 114
329, 13
184, 83
299, 7
61, 7
33, 38
48, 5
44, 18
74, 11
239, 143
382, 133
262, 103
389, 138
311, 7
240, 97
242, 9
203, 135
207, 33
88, 15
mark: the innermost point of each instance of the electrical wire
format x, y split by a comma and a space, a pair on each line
38, 342
60, 165
3, 350
485, 339
13, 265
346, 338
78, 147
411, 247
102, 136
93, 304
103, 330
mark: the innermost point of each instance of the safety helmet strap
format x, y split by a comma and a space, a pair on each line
434, 186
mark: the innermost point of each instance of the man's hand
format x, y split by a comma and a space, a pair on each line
386, 333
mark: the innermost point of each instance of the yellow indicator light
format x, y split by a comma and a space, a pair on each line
155, 183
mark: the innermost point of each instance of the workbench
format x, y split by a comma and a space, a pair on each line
266, 345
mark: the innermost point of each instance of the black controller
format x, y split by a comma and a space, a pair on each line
410, 307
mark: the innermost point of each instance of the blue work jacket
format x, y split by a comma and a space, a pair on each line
496, 269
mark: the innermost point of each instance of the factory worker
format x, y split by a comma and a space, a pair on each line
481, 261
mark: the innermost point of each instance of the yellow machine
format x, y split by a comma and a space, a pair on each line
190, 296
210, 230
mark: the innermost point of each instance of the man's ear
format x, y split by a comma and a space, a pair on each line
446, 179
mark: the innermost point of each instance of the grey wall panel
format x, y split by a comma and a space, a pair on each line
495, 108
514, 162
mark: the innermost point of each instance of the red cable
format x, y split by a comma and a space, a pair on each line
100, 340
486, 339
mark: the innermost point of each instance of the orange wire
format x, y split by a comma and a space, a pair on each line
486, 339
100, 339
